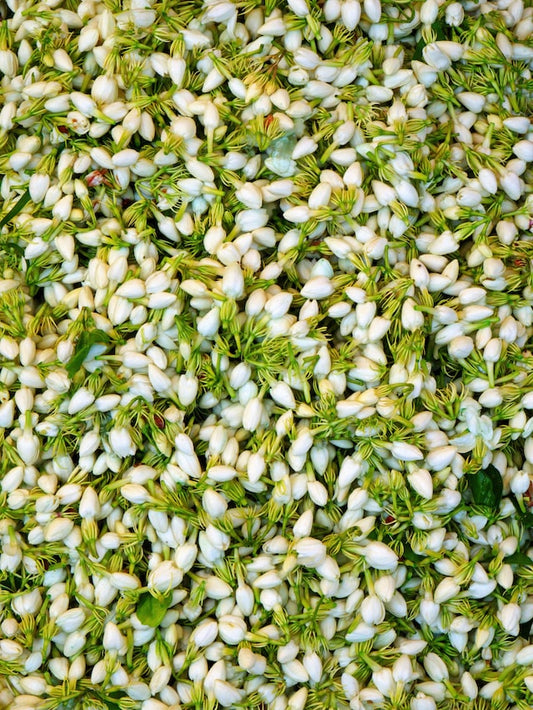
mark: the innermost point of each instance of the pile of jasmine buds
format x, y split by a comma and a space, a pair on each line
266, 380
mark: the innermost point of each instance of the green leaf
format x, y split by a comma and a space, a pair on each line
519, 558
487, 487
408, 554
85, 342
526, 519
18, 207
525, 630
151, 610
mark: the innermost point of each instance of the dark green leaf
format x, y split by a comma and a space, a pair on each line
18, 207
418, 49
408, 554
487, 487
14, 247
525, 629
527, 520
85, 342
519, 558
150, 611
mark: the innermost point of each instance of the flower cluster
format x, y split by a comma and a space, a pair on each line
266, 387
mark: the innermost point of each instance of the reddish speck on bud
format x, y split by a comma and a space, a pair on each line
97, 177
528, 496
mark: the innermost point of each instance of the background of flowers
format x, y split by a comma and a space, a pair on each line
266, 382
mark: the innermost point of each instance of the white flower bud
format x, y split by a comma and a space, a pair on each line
440, 458
226, 694
298, 214
520, 483
123, 581
423, 702
319, 197
509, 616
460, 347
233, 281
299, 7
406, 452
469, 685
80, 400
187, 389
185, 556
89, 506
7, 412
135, 493
165, 576
372, 610
59, 668
214, 503
28, 447
524, 150
205, 633
310, 552
8, 62
421, 481
104, 89
119, 310
446, 589
517, 124
245, 599
71, 620
435, 667
250, 195
113, 640
524, 657
512, 185
160, 679
252, 414
62, 209
318, 493
231, 629
318, 287
379, 556
27, 603
121, 443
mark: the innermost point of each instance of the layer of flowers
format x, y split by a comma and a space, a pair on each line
266, 388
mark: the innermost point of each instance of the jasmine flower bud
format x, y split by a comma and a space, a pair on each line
165, 576
446, 590
205, 633
318, 287
435, 667
379, 556
121, 443
250, 195
104, 89
113, 640
28, 447
420, 479
509, 616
